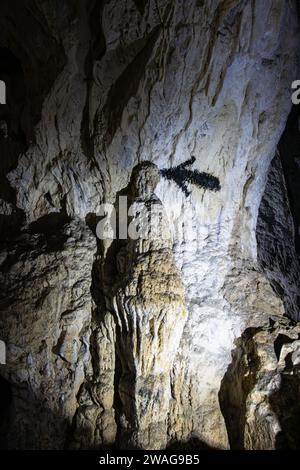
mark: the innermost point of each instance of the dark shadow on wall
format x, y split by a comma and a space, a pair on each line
5, 409
50, 227
184, 177
12, 133
278, 223
289, 150
30, 61
96, 52
140, 5
25, 28
28, 421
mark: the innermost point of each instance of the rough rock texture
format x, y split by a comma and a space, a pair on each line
259, 395
109, 85
45, 293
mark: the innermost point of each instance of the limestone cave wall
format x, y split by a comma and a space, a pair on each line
129, 344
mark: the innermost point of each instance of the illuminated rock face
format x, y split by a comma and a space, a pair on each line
113, 84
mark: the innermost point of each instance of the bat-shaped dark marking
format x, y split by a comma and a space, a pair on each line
183, 176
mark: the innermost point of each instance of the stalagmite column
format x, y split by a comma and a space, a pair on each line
151, 313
